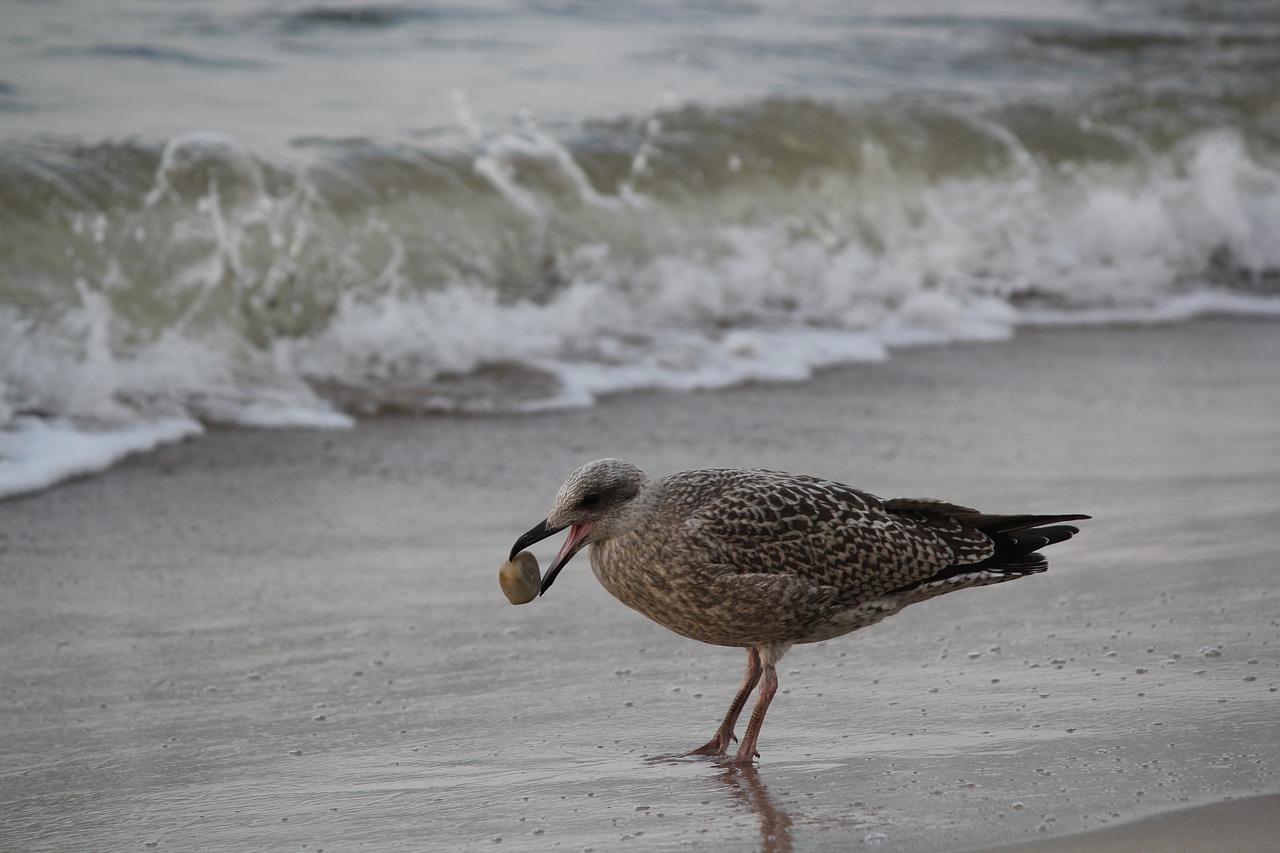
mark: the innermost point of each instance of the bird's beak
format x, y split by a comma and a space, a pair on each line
537, 534
572, 545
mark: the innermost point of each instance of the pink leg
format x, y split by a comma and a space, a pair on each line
747, 749
719, 744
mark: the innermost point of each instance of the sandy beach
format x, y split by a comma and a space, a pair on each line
295, 640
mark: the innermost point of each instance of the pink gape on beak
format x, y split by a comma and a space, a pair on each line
577, 539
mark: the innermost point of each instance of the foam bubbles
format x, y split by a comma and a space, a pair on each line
36, 453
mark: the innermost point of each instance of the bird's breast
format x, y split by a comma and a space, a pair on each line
673, 593
699, 598
638, 573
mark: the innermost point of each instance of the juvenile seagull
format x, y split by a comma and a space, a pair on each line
762, 559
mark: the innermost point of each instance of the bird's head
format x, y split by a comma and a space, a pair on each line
599, 501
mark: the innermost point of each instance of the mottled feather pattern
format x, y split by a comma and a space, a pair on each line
748, 557
826, 532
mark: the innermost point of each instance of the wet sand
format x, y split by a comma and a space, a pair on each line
296, 640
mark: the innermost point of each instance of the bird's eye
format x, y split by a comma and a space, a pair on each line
591, 499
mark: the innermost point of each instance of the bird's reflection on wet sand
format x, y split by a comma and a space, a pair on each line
750, 793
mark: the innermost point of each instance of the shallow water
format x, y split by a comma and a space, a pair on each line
271, 75
270, 640
324, 728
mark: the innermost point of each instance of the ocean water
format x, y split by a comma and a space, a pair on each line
304, 213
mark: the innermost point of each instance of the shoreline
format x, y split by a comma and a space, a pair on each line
38, 453
276, 638
1245, 824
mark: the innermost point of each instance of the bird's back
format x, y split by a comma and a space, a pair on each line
748, 557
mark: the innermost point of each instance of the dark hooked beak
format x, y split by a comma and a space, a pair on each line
577, 538
537, 534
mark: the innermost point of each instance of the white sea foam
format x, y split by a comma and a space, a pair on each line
36, 453
693, 363
1175, 309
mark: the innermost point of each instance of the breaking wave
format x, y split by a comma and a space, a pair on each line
197, 282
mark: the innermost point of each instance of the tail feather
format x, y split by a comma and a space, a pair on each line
1017, 540
1017, 551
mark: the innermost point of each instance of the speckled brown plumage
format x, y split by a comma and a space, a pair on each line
763, 559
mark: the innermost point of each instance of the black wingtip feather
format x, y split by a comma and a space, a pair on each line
1014, 548
1017, 540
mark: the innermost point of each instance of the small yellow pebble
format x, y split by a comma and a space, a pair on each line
521, 578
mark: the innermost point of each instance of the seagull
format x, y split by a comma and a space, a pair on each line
762, 559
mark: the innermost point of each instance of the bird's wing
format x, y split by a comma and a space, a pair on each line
986, 522
825, 532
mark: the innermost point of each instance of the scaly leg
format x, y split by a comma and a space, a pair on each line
768, 687
719, 744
